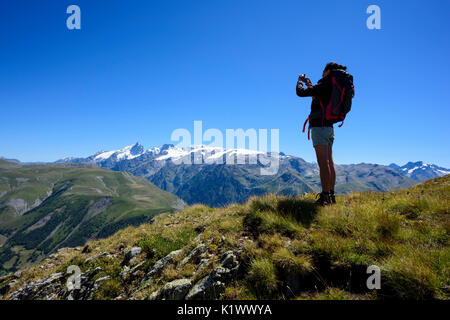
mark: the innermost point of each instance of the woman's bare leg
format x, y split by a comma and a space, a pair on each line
331, 165
324, 166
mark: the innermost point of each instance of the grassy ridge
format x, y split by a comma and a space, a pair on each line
292, 249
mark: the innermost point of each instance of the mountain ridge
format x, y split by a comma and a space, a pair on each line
420, 171
45, 207
212, 181
175, 170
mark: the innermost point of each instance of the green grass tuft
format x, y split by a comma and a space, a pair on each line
261, 278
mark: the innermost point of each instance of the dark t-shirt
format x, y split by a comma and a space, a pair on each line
321, 92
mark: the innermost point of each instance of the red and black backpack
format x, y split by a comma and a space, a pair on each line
342, 93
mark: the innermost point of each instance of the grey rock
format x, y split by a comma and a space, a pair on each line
175, 290
95, 257
135, 251
87, 289
193, 255
102, 279
229, 260
54, 287
211, 286
124, 273
161, 264
42, 289
131, 255
202, 265
128, 273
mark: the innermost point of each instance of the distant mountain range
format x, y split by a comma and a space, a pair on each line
47, 207
10, 160
44, 207
220, 184
420, 171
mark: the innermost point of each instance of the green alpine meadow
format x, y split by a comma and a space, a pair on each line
44, 208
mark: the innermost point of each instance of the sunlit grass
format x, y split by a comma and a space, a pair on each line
405, 233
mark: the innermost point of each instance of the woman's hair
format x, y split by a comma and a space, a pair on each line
334, 66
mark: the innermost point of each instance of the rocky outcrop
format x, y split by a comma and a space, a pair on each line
129, 274
229, 260
209, 287
134, 273
213, 285
194, 255
175, 290
54, 287
88, 286
161, 264
131, 255
42, 289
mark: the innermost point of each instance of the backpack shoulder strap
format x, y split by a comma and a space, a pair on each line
304, 126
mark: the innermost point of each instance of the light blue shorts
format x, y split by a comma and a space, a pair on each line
322, 136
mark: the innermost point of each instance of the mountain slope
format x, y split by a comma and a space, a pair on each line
43, 208
212, 183
420, 171
272, 247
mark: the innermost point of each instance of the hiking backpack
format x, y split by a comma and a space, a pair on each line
342, 93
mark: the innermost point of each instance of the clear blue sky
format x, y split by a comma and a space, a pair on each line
137, 70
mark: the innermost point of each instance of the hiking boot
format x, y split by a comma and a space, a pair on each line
323, 199
332, 197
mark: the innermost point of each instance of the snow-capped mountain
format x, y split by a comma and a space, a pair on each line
127, 153
199, 174
420, 171
169, 152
